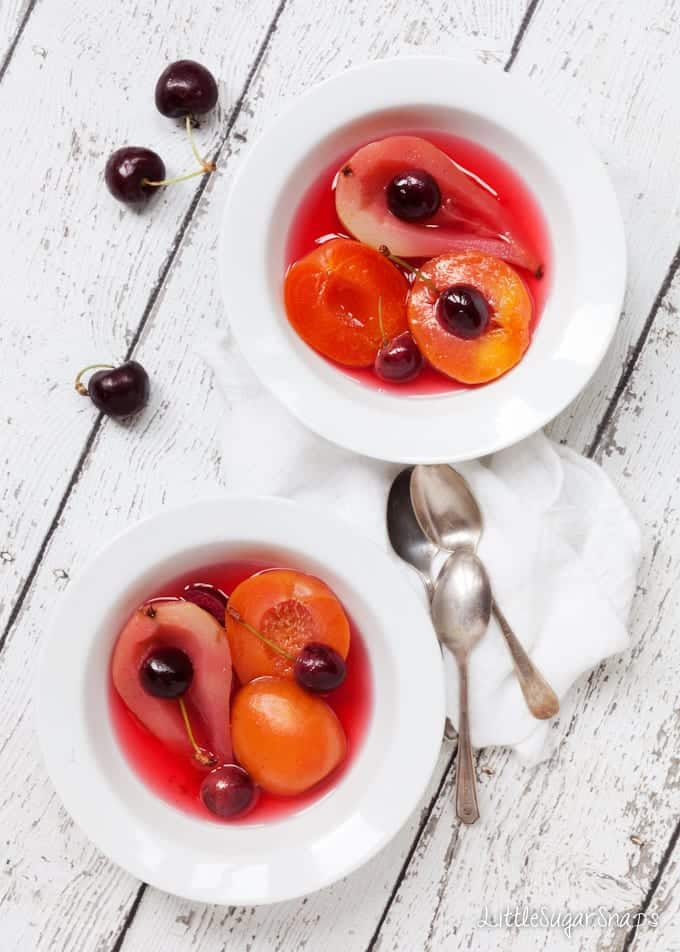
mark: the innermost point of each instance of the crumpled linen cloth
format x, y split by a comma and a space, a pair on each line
560, 545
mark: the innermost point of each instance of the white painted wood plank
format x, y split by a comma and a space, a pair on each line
77, 272
642, 445
610, 67
560, 836
11, 15
77, 266
345, 916
170, 455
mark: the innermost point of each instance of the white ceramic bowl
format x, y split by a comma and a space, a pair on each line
500, 112
258, 862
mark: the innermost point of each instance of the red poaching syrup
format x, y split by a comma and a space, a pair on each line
316, 220
177, 779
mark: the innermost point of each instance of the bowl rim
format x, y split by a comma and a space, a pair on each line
395, 428
156, 850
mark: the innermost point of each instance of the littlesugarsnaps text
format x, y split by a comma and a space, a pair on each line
567, 920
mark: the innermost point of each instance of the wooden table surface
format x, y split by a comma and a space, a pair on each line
83, 278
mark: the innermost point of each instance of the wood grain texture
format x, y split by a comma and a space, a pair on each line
79, 266
13, 16
590, 828
559, 834
168, 456
330, 919
649, 466
609, 67
78, 271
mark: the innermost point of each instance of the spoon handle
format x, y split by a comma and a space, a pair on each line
540, 697
466, 783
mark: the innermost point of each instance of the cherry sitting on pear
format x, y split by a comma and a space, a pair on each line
172, 668
167, 673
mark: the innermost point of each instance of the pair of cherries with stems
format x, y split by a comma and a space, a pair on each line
167, 673
185, 89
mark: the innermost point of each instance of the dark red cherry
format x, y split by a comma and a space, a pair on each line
117, 391
319, 668
413, 195
166, 673
463, 311
228, 791
208, 597
185, 88
129, 169
399, 359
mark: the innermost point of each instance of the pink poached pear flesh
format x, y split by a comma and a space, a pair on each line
183, 625
469, 218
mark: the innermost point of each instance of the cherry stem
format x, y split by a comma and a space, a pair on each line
205, 169
80, 387
203, 756
173, 181
205, 165
380, 322
395, 259
258, 634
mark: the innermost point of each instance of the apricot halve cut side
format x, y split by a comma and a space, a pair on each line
505, 340
333, 297
290, 609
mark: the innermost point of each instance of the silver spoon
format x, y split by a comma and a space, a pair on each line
461, 609
448, 514
406, 537
410, 542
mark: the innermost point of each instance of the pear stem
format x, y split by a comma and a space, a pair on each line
395, 259
80, 387
258, 634
204, 757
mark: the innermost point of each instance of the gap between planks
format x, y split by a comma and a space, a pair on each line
153, 297
4, 66
427, 812
596, 443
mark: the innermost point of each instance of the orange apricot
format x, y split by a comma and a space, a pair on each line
333, 297
290, 609
507, 336
287, 740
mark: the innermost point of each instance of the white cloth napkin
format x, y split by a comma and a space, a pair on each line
560, 546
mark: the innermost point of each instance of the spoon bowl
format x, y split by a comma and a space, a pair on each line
445, 507
461, 604
461, 609
405, 534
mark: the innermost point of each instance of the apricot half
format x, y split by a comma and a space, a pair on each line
287, 740
290, 609
333, 298
468, 217
505, 338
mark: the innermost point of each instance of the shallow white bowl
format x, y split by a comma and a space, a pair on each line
259, 862
503, 114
